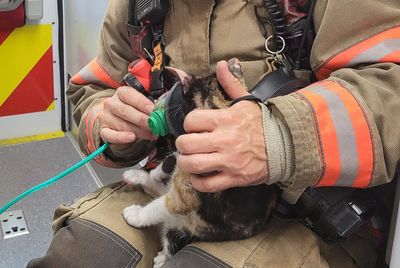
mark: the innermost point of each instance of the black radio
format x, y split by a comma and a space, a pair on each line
333, 213
151, 11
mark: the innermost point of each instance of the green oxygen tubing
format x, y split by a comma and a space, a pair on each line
54, 179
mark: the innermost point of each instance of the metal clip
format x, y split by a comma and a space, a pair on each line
277, 51
284, 61
278, 55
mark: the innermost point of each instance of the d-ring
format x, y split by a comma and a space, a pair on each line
278, 51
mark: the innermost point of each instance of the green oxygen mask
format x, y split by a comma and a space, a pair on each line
169, 113
157, 123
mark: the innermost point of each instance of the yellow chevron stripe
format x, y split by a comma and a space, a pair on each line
19, 53
51, 107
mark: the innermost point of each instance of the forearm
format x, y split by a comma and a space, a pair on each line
342, 127
341, 130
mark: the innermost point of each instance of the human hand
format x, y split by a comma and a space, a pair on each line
123, 117
229, 141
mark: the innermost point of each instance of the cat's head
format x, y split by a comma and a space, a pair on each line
197, 92
189, 93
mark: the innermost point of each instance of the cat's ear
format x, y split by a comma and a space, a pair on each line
173, 75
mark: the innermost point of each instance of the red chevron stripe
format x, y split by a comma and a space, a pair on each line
3, 35
36, 92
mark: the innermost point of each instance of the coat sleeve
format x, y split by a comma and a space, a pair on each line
98, 80
345, 127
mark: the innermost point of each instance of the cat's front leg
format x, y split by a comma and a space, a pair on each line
160, 259
136, 177
151, 184
155, 182
151, 214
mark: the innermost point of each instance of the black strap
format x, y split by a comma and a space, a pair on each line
277, 83
246, 98
305, 35
133, 20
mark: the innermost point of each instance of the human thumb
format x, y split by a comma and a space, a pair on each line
232, 86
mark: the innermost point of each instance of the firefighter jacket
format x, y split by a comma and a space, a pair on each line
342, 130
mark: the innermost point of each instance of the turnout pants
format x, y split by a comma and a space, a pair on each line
93, 233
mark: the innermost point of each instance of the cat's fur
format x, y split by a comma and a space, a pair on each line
186, 214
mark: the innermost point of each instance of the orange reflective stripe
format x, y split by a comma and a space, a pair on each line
102, 75
328, 139
89, 122
89, 125
96, 74
362, 133
78, 80
392, 57
382, 47
344, 135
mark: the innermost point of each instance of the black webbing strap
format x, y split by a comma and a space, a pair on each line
246, 98
132, 14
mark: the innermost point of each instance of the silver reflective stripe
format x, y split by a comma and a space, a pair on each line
377, 52
89, 76
349, 164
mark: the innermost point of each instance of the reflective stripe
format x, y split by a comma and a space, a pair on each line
378, 52
344, 135
35, 92
85, 76
22, 52
94, 73
365, 150
328, 139
78, 80
91, 146
89, 123
382, 47
391, 56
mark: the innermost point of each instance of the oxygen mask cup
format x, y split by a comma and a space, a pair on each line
169, 113
157, 121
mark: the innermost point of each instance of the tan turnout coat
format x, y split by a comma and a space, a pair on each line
344, 129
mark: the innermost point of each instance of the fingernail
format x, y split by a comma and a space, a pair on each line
131, 137
149, 108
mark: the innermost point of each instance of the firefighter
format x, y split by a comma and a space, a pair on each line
339, 131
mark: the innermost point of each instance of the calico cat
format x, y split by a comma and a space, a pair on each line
187, 215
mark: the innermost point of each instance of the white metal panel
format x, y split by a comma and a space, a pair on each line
41, 122
83, 20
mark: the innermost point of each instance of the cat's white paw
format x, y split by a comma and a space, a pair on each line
135, 176
133, 216
160, 259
